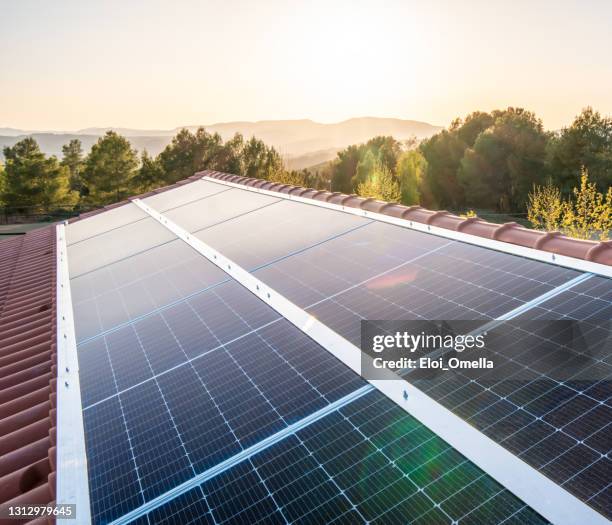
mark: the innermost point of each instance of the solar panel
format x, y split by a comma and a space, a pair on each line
182, 195
272, 232
132, 287
384, 272
193, 390
369, 462
217, 208
103, 222
182, 369
116, 244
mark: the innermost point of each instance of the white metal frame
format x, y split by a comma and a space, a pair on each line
500, 246
549, 499
72, 481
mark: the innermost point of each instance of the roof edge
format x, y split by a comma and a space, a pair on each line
510, 232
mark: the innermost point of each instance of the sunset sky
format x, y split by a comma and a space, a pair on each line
66, 65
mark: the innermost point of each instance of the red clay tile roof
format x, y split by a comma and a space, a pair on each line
511, 232
28, 368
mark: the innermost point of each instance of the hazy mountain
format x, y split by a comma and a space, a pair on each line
292, 138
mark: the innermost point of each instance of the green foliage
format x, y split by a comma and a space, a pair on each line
260, 161
505, 161
150, 175
589, 211
32, 179
585, 214
189, 153
411, 167
586, 143
443, 153
370, 161
73, 160
109, 171
344, 169
380, 185
355, 163
545, 207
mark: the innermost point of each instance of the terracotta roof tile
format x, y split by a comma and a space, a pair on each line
27, 368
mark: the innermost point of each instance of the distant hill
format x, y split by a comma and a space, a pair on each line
292, 138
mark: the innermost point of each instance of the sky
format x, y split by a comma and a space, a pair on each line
67, 65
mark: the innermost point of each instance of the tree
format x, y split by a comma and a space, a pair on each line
411, 167
370, 161
380, 185
344, 169
150, 174
189, 153
443, 153
505, 161
2, 183
586, 143
73, 160
545, 207
260, 161
109, 170
32, 179
589, 211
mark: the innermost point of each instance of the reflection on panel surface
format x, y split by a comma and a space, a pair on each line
120, 292
217, 208
184, 194
370, 462
103, 222
196, 383
276, 231
114, 245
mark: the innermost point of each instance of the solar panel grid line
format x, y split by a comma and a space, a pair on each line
105, 231
239, 457
183, 296
72, 485
131, 447
505, 466
150, 313
305, 248
216, 405
265, 342
392, 463
500, 246
192, 201
121, 259
280, 465
172, 368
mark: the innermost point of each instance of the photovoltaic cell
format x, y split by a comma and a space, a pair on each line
192, 389
185, 194
103, 222
188, 383
114, 245
217, 208
561, 426
123, 291
272, 232
370, 462
384, 272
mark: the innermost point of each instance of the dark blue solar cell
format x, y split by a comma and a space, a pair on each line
159, 452
188, 509
95, 373
341, 469
138, 285
114, 485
